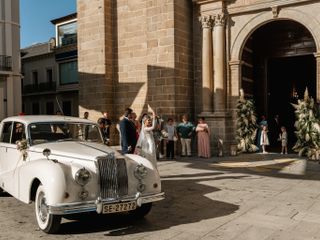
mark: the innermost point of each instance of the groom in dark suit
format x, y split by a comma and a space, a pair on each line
128, 133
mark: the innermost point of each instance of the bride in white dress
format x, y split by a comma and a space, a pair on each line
146, 146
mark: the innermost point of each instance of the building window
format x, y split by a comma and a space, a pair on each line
35, 81
50, 108
66, 106
67, 34
49, 76
35, 108
68, 72
6, 132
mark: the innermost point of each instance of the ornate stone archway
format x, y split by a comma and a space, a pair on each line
237, 45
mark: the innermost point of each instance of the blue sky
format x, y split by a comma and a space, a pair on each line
35, 16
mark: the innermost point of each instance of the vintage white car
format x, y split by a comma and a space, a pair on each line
62, 164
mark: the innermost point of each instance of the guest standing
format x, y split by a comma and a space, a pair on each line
203, 137
136, 124
274, 128
158, 138
185, 130
128, 133
86, 115
107, 125
170, 130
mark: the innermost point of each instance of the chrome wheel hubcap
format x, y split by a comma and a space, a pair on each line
42, 208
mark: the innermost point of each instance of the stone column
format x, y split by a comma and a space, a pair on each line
207, 54
219, 63
317, 55
235, 79
235, 75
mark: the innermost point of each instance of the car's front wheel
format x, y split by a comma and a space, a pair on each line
47, 222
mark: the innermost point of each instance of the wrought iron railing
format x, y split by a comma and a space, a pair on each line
41, 87
68, 40
5, 63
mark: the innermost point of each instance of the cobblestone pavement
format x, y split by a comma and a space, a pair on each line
247, 197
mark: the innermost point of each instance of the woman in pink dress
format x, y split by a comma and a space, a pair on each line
203, 136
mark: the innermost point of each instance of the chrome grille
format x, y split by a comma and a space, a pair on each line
113, 177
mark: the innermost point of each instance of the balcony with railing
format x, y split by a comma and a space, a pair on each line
68, 39
5, 63
39, 88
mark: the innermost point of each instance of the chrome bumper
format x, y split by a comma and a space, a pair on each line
96, 205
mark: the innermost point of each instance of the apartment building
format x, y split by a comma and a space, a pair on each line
10, 77
50, 72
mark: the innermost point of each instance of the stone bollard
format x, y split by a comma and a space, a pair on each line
220, 147
233, 150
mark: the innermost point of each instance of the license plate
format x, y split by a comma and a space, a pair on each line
119, 207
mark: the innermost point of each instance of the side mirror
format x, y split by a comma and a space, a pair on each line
46, 152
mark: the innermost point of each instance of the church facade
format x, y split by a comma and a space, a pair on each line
193, 57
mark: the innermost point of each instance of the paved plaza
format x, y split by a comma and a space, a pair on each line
251, 196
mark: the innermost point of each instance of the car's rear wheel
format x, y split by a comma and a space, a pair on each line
47, 222
142, 211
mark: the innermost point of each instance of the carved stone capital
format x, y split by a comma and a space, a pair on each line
234, 63
317, 56
220, 19
206, 21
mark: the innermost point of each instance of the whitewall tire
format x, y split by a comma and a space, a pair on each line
47, 222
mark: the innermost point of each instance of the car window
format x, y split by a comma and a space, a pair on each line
6, 132
18, 132
62, 131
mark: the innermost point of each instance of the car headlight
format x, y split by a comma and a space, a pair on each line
140, 171
82, 176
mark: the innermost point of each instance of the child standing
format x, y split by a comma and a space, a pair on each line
264, 140
284, 140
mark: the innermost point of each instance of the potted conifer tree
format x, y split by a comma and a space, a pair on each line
307, 128
246, 125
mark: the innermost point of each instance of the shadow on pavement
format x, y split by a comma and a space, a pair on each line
289, 166
185, 203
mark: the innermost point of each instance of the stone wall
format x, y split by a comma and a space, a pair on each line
95, 57
161, 51
184, 79
130, 55
154, 56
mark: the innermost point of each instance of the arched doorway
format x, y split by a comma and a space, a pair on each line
277, 65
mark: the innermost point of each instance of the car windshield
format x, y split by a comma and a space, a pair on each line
63, 131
